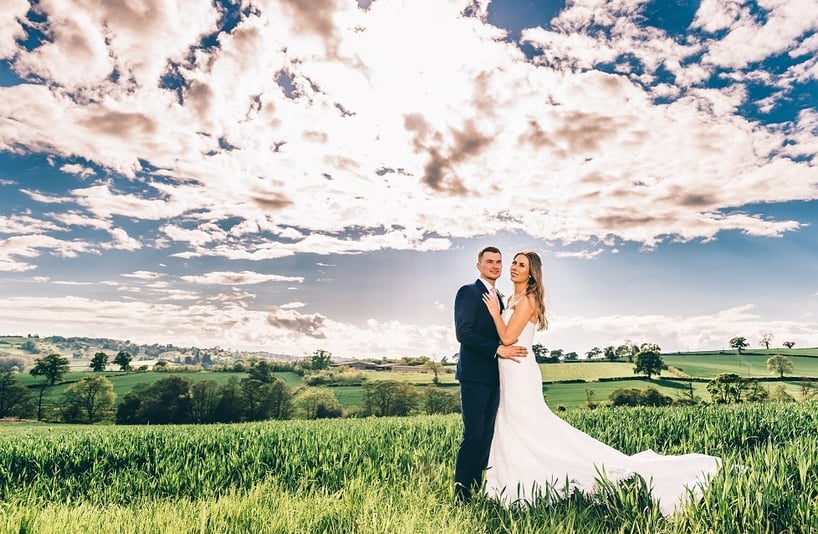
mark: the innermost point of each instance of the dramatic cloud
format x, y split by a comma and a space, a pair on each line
222, 138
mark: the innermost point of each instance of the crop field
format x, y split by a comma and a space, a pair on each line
391, 475
752, 365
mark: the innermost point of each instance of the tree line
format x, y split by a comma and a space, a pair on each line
259, 396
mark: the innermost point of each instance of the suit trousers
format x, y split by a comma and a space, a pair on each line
478, 407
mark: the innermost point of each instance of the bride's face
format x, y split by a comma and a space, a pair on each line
519, 268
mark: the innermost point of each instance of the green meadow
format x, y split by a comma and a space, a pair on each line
565, 384
392, 475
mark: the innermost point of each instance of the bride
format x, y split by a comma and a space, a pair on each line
534, 452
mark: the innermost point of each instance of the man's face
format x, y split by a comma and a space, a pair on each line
490, 265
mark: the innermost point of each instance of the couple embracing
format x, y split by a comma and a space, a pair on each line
508, 428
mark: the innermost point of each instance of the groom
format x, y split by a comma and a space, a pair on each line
477, 372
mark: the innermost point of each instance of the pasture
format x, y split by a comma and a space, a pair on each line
702, 365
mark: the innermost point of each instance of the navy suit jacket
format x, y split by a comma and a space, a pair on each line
475, 330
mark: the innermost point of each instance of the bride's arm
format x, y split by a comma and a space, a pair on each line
519, 317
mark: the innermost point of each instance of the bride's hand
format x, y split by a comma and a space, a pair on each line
491, 304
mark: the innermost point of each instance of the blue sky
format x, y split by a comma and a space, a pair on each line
289, 176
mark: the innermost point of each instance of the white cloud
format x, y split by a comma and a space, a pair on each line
10, 28
31, 246
239, 278
143, 275
366, 142
76, 168
674, 333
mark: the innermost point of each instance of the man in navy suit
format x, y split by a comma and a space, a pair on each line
477, 373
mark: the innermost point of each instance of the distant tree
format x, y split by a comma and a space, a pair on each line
726, 388
99, 362
90, 400
166, 401
51, 367
10, 363
626, 351
229, 404
262, 371
436, 368
540, 353
15, 398
780, 394
389, 397
204, 401
29, 346
593, 353
753, 392
738, 343
435, 399
320, 359
652, 397
626, 397
649, 363
610, 353
123, 360
789, 344
779, 364
556, 355
571, 356
766, 339
650, 347
317, 403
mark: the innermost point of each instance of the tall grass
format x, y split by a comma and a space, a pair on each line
391, 475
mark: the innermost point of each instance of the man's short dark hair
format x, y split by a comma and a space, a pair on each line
488, 249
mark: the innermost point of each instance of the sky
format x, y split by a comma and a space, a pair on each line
295, 175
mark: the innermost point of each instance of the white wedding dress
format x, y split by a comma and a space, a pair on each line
534, 452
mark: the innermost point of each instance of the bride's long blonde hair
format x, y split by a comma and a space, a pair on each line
535, 286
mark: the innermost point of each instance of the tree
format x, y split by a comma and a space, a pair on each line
571, 356
99, 362
90, 400
15, 398
626, 351
51, 367
540, 353
766, 339
593, 353
555, 355
626, 397
388, 397
779, 364
753, 392
320, 359
610, 353
436, 368
780, 394
166, 401
317, 403
262, 371
726, 388
648, 362
123, 360
789, 344
437, 400
738, 343
204, 401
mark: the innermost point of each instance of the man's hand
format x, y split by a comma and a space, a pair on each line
512, 352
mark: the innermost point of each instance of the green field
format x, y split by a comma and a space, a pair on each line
753, 365
391, 475
569, 395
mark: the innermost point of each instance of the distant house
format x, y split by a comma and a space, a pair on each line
362, 365
409, 369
